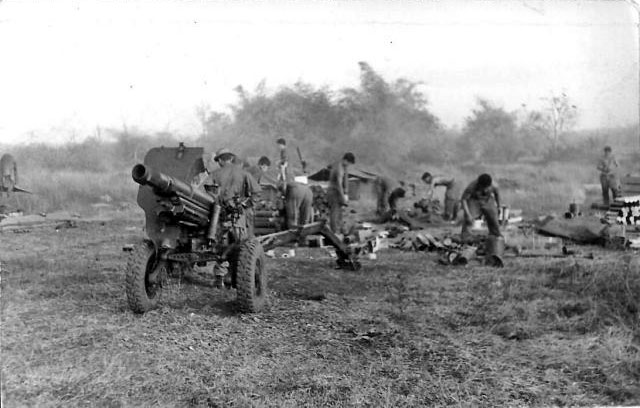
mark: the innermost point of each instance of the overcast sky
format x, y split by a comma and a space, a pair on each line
68, 67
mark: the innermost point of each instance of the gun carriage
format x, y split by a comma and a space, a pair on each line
186, 226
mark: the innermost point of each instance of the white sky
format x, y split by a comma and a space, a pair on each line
69, 66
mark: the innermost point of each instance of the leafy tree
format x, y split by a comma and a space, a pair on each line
490, 133
373, 120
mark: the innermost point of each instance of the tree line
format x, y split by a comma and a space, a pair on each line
387, 123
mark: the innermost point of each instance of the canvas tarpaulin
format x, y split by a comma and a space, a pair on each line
583, 230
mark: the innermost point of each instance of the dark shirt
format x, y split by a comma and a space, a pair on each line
472, 192
232, 181
395, 195
606, 165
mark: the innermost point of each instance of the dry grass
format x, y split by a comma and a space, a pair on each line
72, 190
553, 185
535, 188
403, 331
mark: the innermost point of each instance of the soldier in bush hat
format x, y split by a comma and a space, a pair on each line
224, 154
230, 181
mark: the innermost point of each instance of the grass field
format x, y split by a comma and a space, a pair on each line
554, 186
403, 331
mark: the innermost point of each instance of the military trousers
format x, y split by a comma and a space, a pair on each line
609, 182
477, 209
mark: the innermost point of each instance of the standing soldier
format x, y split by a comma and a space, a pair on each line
231, 181
451, 194
338, 190
283, 163
481, 197
8, 173
384, 187
298, 201
608, 176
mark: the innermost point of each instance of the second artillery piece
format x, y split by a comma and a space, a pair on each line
186, 226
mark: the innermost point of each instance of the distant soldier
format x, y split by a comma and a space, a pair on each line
283, 163
451, 193
298, 201
481, 198
9, 173
264, 176
394, 197
271, 188
608, 177
384, 186
263, 164
338, 190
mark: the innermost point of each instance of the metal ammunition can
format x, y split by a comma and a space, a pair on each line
505, 215
494, 245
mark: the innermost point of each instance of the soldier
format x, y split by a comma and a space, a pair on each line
283, 163
481, 197
270, 192
384, 187
393, 199
263, 176
608, 176
338, 190
8, 173
451, 193
231, 181
298, 200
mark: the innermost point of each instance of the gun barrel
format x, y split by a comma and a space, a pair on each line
166, 185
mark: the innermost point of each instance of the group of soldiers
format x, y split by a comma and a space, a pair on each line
481, 198
235, 179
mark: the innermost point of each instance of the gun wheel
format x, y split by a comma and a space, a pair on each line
144, 276
251, 277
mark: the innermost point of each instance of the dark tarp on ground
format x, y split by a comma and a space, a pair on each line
583, 230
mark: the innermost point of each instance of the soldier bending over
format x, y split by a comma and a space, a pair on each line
481, 198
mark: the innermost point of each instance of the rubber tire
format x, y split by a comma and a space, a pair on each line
251, 277
141, 262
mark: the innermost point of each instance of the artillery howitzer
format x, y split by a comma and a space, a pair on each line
186, 226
